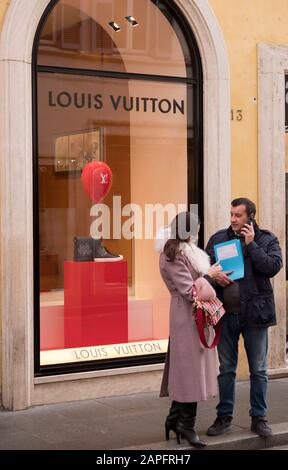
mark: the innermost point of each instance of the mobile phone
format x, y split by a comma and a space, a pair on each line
251, 220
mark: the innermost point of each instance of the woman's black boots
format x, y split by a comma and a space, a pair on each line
186, 423
172, 418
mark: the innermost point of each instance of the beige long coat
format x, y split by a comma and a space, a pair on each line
190, 373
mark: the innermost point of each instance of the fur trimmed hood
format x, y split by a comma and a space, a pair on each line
198, 258
162, 237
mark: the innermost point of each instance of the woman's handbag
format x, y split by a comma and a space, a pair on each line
207, 313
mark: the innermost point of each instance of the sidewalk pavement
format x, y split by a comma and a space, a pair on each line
136, 422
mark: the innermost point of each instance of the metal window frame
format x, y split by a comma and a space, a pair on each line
195, 186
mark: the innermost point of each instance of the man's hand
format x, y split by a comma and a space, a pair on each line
248, 232
222, 278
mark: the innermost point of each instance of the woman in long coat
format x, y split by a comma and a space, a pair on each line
190, 373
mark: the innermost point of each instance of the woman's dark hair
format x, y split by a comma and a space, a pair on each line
183, 226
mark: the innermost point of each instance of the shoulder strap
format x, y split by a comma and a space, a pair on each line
200, 325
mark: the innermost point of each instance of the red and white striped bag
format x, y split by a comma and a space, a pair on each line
207, 313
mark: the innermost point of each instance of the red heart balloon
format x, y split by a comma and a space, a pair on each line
96, 179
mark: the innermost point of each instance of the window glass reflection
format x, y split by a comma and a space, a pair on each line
97, 35
144, 143
101, 294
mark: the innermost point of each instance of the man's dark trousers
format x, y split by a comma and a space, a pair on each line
256, 346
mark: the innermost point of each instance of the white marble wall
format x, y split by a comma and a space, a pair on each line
108, 383
272, 64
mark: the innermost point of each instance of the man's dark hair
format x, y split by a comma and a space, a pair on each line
250, 206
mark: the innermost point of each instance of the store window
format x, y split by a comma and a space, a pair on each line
118, 139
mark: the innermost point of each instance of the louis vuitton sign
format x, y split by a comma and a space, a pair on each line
112, 351
144, 104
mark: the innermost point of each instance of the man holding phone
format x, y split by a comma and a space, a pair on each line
250, 310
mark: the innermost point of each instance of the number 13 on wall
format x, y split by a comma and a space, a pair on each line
236, 115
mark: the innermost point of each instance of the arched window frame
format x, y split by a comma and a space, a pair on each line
19, 387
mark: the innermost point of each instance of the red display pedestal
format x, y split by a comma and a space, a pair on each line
95, 303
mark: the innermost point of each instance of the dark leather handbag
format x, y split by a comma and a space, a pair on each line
83, 249
206, 314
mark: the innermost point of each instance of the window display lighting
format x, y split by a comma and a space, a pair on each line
132, 21
114, 26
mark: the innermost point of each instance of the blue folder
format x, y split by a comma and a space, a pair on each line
230, 256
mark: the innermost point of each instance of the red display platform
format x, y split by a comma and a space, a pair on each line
95, 303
